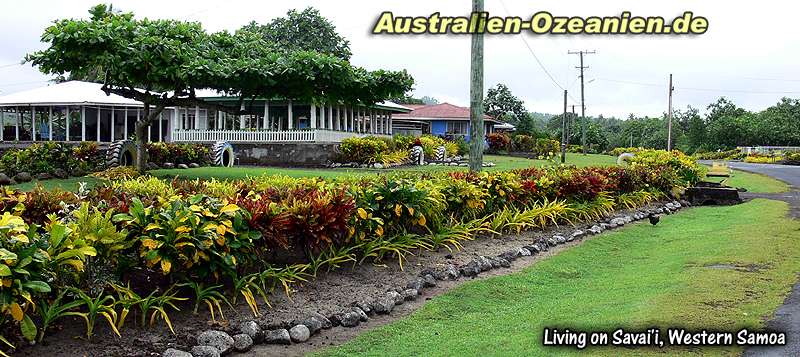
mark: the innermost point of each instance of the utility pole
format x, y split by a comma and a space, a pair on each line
583, 101
564, 130
669, 115
476, 130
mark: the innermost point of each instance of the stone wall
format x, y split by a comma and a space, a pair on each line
285, 154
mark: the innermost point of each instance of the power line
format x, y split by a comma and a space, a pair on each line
698, 89
11, 65
530, 49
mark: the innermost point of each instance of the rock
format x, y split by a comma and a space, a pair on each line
77, 172
504, 263
471, 269
595, 229
618, 221
429, 281
559, 239
194, 165
277, 337
395, 296
217, 339
251, 328
577, 234
23, 177
182, 166
171, 352
43, 176
383, 305
685, 203
509, 255
60, 173
364, 306
484, 263
205, 351
350, 319
524, 252
4, 179
377, 165
416, 284
534, 248
169, 165
450, 272
324, 322
242, 342
409, 294
361, 314
299, 333
312, 323
552, 241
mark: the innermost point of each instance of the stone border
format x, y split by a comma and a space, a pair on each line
214, 343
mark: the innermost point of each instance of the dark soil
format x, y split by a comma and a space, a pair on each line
326, 294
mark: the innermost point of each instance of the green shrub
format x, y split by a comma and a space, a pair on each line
364, 150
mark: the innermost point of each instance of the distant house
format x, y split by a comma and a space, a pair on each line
443, 119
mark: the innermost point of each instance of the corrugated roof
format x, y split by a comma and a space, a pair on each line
66, 93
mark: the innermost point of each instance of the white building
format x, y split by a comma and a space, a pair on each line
80, 111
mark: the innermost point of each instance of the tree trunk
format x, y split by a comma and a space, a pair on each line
141, 135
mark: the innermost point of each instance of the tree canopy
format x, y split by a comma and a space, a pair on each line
307, 30
180, 57
163, 62
501, 104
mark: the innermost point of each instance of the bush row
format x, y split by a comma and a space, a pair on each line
48, 157
395, 150
132, 243
544, 147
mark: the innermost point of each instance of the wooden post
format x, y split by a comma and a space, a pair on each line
669, 116
476, 93
266, 115
564, 130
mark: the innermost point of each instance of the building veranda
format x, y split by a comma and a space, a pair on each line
77, 111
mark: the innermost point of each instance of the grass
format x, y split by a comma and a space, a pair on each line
754, 182
672, 275
502, 162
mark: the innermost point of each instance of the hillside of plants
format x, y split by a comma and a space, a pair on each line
204, 245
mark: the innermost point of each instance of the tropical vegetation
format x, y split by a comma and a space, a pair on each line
207, 242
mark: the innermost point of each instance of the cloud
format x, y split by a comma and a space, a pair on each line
747, 49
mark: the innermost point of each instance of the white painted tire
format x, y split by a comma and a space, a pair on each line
623, 158
222, 154
121, 153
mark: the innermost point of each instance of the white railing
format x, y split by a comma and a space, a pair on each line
264, 136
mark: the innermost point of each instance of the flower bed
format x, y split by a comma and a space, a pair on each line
213, 241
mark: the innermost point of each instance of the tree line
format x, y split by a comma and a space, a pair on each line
724, 125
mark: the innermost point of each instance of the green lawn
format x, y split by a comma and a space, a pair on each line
679, 273
755, 182
502, 162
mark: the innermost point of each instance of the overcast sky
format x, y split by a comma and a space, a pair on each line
749, 53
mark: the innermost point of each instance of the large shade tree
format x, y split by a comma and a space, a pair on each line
162, 63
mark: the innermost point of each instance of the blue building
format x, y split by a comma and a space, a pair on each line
443, 119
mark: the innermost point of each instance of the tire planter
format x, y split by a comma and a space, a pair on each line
623, 158
222, 154
121, 153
